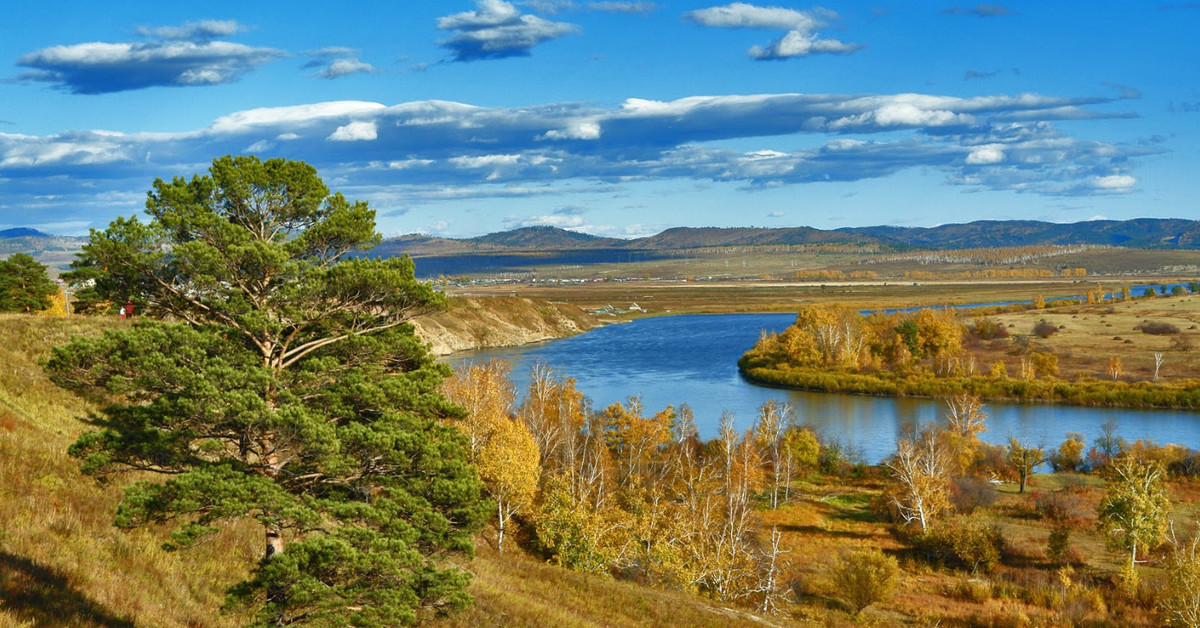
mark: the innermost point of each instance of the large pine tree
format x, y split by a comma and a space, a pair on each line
289, 388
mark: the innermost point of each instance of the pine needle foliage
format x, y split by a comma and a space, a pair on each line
289, 389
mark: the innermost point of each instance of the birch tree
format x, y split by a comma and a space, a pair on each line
1133, 513
921, 468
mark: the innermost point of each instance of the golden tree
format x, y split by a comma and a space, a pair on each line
1115, 368
921, 468
510, 469
486, 392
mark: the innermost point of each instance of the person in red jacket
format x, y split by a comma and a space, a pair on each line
128, 309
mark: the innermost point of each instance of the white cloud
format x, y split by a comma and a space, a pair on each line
496, 29
355, 132
982, 155
1114, 183
742, 15
800, 40
575, 130
297, 115
186, 56
345, 67
800, 44
438, 150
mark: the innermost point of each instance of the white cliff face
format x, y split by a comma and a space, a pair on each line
476, 323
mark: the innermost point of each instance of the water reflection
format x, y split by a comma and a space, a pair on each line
693, 359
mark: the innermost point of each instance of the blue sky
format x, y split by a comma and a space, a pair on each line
617, 118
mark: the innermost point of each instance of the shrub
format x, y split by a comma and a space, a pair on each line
988, 329
1058, 546
1069, 456
863, 577
963, 544
1044, 329
1066, 506
1157, 328
970, 492
1044, 364
973, 590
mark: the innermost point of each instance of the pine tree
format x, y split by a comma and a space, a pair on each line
24, 286
292, 392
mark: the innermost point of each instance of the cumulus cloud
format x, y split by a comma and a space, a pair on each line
180, 56
496, 29
435, 151
1114, 183
800, 39
355, 132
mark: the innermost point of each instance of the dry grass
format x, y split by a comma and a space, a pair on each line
516, 590
62, 563
1088, 335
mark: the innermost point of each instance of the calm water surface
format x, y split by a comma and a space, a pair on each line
692, 359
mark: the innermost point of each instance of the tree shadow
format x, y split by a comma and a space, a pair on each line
45, 597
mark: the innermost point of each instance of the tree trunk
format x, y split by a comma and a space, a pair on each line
274, 542
500, 534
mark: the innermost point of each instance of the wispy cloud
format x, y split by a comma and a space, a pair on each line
622, 7
204, 30
496, 29
554, 7
336, 62
177, 56
981, 10
971, 75
800, 39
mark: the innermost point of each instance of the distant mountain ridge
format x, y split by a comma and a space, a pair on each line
1154, 233
23, 232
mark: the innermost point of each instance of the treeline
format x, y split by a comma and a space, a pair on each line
833, 275
835, 349
999, 256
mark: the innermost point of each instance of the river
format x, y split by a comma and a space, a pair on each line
692, 359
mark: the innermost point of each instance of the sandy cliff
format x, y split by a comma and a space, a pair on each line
474, 323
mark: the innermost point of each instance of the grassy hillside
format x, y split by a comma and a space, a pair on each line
62, 563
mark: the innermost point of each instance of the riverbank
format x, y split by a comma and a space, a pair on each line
1182, 395
480, 323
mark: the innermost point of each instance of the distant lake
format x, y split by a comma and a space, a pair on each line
692, 359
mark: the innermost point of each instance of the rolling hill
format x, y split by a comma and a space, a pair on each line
1151, 233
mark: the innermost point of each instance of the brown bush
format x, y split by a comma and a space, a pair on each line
1157, 328
1044, 329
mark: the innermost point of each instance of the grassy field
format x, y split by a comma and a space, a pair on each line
1087, 336
789, 263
